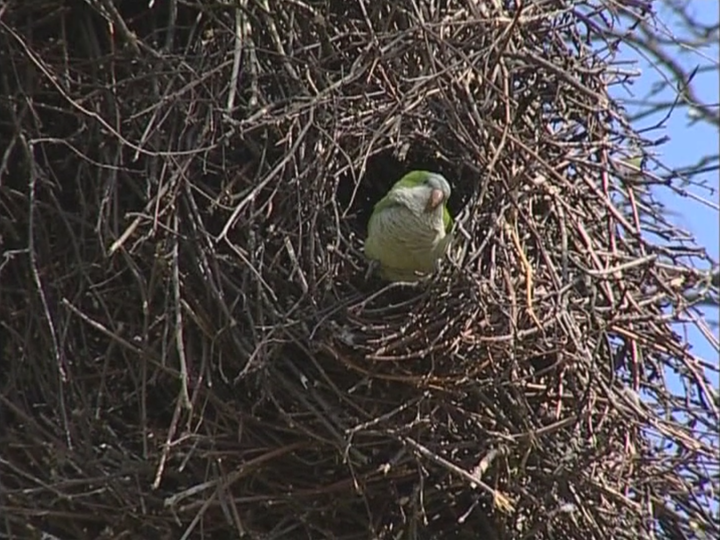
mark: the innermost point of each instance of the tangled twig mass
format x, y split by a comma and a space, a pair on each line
190, 348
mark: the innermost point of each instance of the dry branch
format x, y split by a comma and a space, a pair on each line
189, 346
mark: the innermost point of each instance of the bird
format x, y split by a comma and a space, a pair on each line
410, 228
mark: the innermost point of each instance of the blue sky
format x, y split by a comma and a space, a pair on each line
688, 142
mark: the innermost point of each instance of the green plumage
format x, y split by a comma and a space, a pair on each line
406, 235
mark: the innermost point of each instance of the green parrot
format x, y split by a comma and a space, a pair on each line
410, 227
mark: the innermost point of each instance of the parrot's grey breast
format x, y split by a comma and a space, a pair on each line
418, 230
407, 239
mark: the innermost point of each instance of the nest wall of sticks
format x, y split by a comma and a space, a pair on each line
190, 346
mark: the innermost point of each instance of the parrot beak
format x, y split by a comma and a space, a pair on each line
436, 198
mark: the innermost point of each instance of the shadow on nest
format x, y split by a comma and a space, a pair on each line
191, 350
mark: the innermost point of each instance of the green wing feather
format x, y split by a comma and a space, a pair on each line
447, 220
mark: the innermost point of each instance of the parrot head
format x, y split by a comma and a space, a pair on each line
423, 191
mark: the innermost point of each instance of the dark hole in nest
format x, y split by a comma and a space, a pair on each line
385, 168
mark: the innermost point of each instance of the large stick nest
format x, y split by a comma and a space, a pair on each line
190, 348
